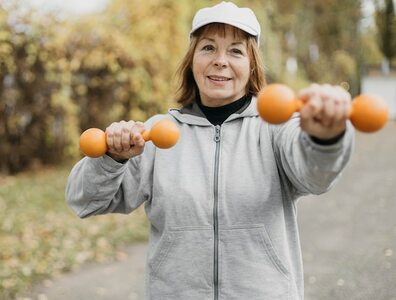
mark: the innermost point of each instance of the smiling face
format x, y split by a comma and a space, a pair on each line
221, 67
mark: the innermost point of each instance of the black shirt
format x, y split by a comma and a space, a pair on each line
217, 115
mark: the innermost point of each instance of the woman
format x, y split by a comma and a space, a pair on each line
222, 202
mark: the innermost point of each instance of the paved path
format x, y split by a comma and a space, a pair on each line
348, 238
123, 280
348, 235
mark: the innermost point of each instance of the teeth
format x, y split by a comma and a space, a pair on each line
219, 78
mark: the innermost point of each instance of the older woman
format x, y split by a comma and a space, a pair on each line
222, 202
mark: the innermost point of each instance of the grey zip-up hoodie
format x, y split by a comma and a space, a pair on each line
221, 204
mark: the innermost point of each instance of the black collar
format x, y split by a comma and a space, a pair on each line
217, 115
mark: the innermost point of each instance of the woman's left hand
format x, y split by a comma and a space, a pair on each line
325, 111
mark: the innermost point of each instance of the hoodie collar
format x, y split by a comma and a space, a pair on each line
193, 115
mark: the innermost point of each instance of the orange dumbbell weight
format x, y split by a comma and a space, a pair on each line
164, 134
277, 102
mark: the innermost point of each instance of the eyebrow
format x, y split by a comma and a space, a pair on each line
212, 40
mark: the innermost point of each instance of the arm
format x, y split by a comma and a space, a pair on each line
310, 166
104, 185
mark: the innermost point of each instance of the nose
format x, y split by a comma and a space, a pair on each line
220, 60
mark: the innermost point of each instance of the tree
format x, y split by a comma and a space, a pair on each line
385, 20
31, 120
328, 40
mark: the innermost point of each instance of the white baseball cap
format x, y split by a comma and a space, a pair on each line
228, 13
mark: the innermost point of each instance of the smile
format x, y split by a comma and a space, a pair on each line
219, 78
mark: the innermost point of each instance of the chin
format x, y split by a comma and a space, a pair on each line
221, 96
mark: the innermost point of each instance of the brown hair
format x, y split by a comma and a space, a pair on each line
188, 89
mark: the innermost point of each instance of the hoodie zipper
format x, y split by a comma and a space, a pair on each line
215, 215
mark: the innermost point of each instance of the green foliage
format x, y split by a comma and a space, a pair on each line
40, 237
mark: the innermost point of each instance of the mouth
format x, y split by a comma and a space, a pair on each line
218, 78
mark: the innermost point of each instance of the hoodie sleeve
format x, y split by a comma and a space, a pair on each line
309, 167
102, 185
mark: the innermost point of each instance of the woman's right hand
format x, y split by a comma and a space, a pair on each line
124, 140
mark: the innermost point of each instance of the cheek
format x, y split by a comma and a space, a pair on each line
244, 72
196, 68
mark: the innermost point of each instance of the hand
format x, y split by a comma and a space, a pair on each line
325, 111
124, 140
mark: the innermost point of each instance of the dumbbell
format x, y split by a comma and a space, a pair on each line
164, 134
277, 102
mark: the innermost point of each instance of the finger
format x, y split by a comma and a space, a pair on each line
309, 96
139, 127
329, 96
118, 131
110, 135
312, 108
345, 105
346, 102
334, 105
306, 93
138, 140
119, 135
339, 112
126, 136
329, 110
136, 134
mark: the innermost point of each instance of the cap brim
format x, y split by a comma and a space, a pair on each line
225, 21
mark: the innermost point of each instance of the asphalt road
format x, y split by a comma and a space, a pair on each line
348, 238
348, 235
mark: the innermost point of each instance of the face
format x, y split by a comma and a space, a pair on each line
221, 68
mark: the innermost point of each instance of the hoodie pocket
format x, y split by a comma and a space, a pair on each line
249, 265
181, 267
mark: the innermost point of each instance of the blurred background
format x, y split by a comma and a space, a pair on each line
66, 66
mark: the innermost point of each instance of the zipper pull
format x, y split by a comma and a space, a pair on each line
217, 135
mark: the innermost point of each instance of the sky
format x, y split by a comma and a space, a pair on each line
68, 6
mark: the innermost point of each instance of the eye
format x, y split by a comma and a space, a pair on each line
208, 48
236, 51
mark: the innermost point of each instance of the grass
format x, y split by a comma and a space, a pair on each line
40, 237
